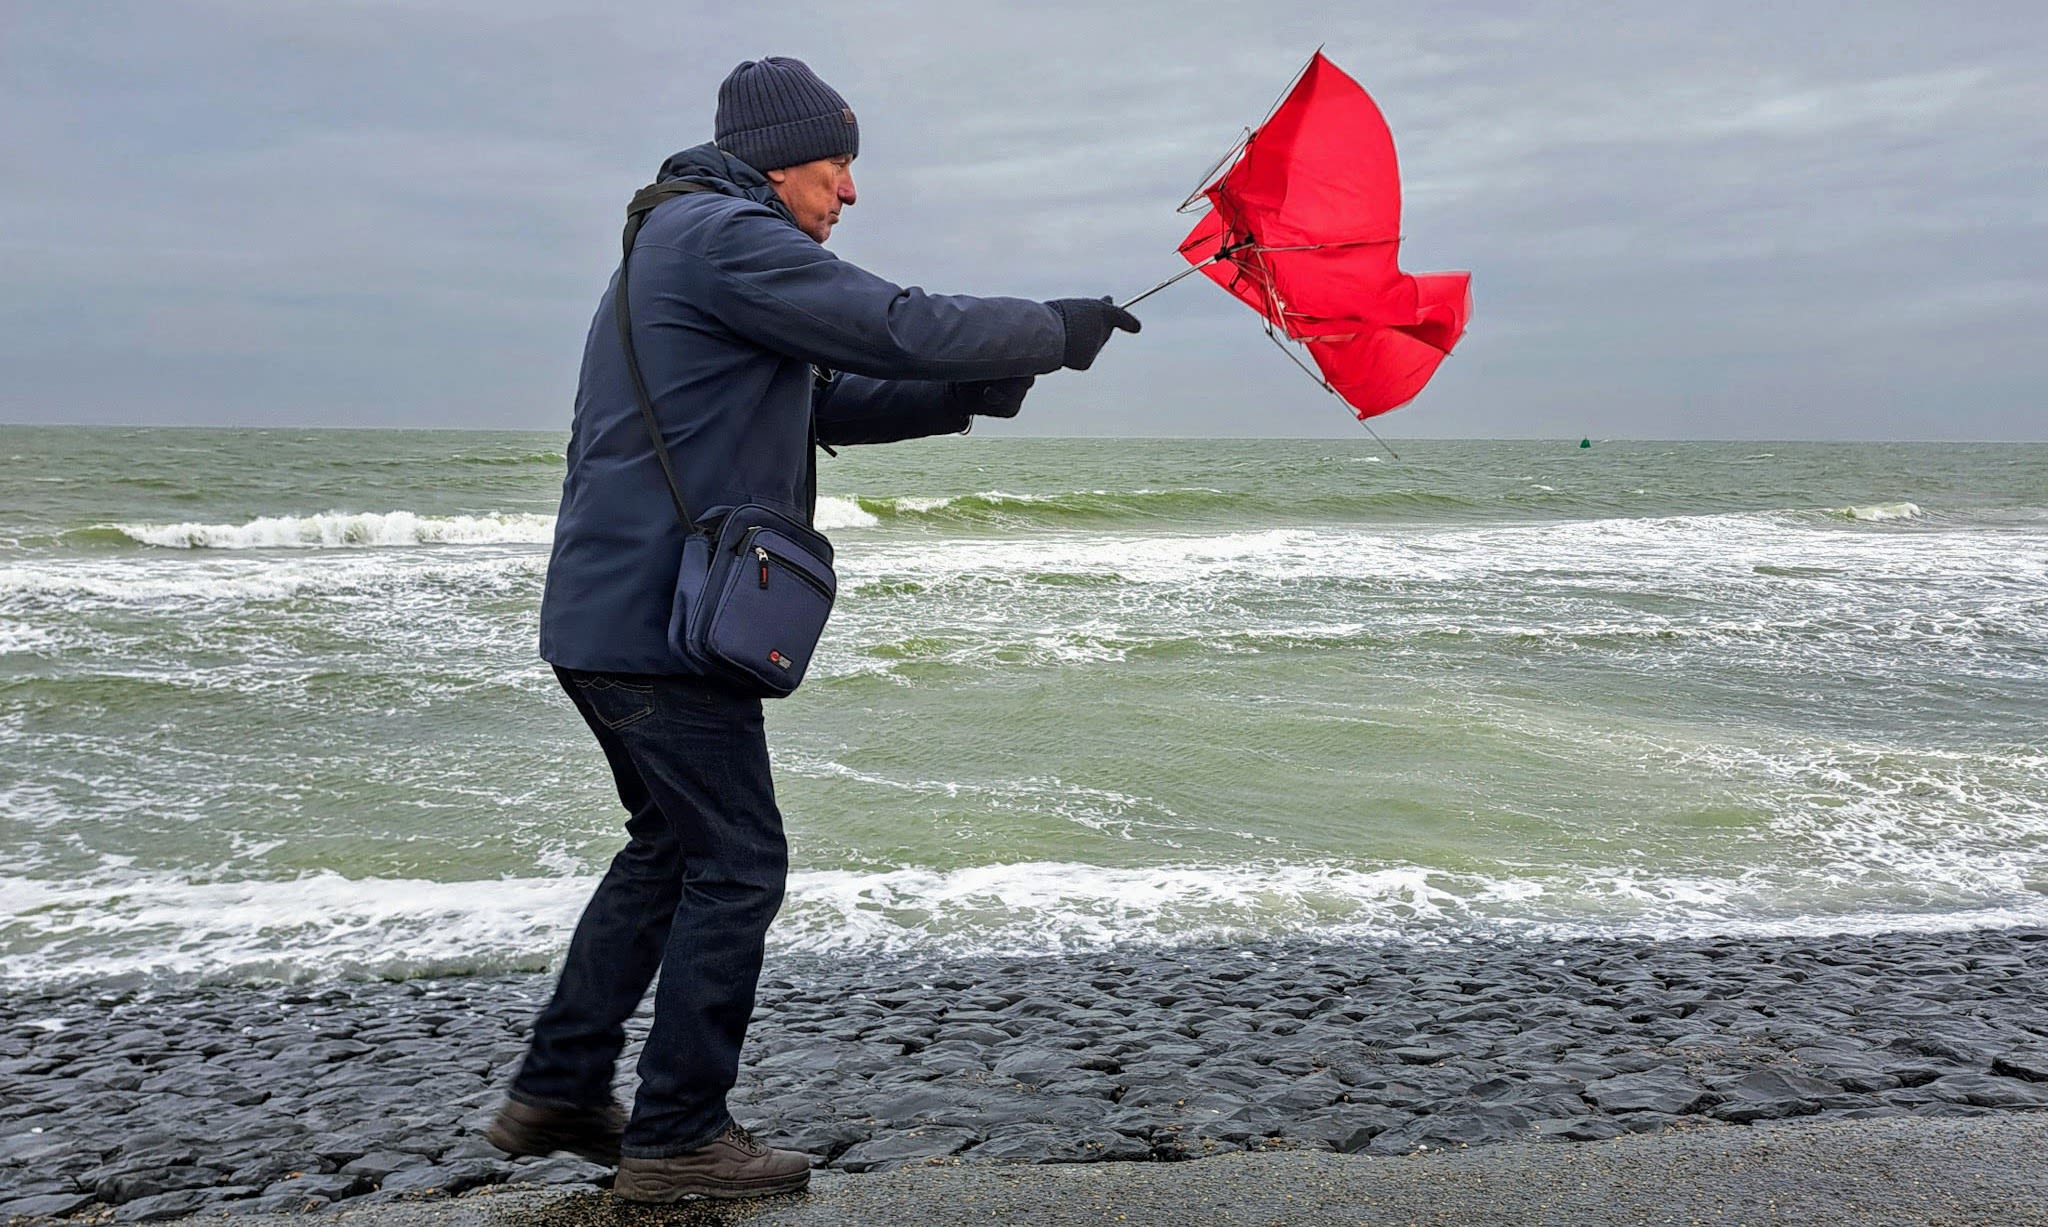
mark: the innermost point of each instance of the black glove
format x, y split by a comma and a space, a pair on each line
1089, 321
996, 398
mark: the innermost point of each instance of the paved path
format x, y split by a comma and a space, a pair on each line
1927, 1173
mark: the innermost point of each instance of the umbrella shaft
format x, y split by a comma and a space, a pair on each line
1192, 268
1225, 254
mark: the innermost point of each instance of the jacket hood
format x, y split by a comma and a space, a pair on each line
723, 173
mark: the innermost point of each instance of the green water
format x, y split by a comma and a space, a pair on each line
271, 705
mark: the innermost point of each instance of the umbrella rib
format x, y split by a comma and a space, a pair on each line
1296, 359
1209, 176
1324, 246
1246, 138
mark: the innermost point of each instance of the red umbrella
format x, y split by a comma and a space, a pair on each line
1305, 227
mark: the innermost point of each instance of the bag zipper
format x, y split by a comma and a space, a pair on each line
762, 558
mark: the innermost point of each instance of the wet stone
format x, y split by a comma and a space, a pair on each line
1418, 1054
151, 1182
1770, 1094
896, 1147
280, 1203
1170, 1054
330, 1185
1035, 1066
1045, 1144
444, 1178
378, 1164
1584, 1129
1457, 1125
1987, 1091
2029, 1066
1667, 1094
163, 1206
1083, 1084
561, 1170
1349, 1128
53, 1205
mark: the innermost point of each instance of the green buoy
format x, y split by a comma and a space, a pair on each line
1585, 443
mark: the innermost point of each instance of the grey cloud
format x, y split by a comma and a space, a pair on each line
1692, 220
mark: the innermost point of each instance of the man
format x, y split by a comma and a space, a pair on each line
754, 343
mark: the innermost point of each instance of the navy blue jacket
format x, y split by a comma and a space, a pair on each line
732, 307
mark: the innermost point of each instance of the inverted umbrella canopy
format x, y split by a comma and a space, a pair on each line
1305, 227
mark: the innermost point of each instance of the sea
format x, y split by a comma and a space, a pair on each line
271, 709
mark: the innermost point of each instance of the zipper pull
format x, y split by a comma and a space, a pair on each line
762, 555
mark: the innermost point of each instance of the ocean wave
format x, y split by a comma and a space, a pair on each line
342, 529
71, 586
510, 461
997, 507
158, 927
1141, 509
1975, 643
1138, 508
1680, 550
835, 512
1801, 557
155, 928
1879, 512
22, 638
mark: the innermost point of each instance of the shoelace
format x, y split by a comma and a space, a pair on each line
747, 1142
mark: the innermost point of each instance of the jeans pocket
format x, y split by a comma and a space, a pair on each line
614, 700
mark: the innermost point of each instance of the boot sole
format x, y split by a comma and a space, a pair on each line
723, 1190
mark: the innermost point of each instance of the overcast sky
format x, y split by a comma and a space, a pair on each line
1807, 220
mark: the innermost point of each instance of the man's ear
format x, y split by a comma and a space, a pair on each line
777, 176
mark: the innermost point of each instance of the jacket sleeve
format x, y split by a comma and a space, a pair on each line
856, 409
774, 285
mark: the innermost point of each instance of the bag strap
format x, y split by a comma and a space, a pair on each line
642, 204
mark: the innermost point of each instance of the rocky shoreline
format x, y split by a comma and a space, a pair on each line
136, 1105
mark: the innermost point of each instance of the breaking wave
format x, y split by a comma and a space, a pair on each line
341, 529
324, 925
1878, 512
1136, 508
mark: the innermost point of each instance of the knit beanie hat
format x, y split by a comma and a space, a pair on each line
775, 112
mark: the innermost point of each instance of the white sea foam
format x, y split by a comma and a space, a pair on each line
1626, 554
323, 924
320, 926
865, 511
341, 529
914, 504
1798, 585
835, 512
1878, 512
1681, 547
234, 577
24, 638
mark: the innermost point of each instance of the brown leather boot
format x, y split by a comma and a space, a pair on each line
527, 1129
732, 1164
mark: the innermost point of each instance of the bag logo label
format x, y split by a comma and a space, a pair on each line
777, 658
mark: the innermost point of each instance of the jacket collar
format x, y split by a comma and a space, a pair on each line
725, 174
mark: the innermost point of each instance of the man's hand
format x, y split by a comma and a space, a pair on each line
996, 398
1089, 323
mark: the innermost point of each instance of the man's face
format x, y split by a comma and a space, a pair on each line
815, 192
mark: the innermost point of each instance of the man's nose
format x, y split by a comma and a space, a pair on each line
846, 192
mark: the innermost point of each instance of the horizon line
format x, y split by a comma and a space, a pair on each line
1134, 438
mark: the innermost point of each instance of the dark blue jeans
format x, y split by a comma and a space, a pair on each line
691, 894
